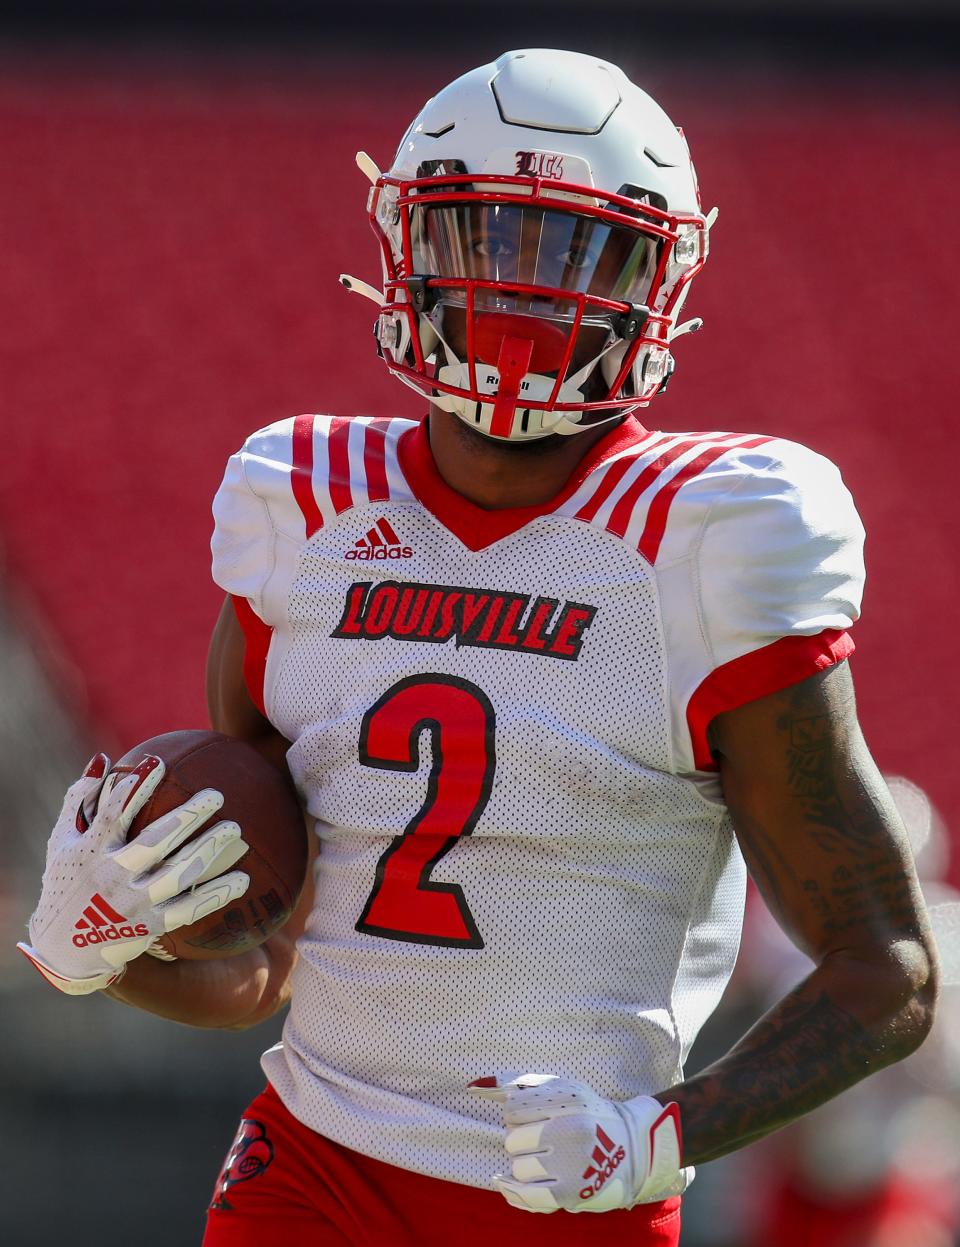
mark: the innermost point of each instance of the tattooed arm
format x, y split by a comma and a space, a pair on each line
827, 850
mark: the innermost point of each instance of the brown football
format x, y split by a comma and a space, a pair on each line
264, 803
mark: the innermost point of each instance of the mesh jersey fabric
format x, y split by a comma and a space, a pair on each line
513, 691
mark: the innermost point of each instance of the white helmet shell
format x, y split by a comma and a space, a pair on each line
541, 100
564, 133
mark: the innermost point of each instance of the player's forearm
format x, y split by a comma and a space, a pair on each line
849, 1018
233, 994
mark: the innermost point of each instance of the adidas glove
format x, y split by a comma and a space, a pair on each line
103, 900
570, 1148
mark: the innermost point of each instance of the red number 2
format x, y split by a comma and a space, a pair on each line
404, 903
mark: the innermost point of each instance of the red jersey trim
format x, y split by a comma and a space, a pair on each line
475, 526
659, 509
757, 674
374, 460
258, 636
301, 476
622, 512
338, 448
614, 474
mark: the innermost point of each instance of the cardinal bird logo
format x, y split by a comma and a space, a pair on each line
250, 1154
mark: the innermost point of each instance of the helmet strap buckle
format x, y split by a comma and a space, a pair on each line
629, 325
422, 296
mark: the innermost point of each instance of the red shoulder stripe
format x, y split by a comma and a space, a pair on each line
374, 460
301, 477
612, 478
659, 509
622, 513
338, 447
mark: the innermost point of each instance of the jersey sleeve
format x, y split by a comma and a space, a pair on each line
254, 513
254, 533
243, 537
778, 577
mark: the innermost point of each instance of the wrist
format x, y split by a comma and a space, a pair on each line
656, 1139
63, 983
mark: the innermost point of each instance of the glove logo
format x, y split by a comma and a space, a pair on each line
99, 924
250, 1154
607, 1157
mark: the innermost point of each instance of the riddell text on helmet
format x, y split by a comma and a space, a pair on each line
482, 617
100, 935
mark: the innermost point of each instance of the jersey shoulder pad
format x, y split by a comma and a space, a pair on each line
290, 479
780, 550
760, 575
254, 504
653, 494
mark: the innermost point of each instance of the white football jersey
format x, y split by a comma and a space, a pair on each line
499, 723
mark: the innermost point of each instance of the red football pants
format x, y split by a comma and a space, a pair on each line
285, 1185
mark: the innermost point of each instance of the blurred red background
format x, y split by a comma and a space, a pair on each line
172, 237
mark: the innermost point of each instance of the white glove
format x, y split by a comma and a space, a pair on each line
570, 1148
103, 900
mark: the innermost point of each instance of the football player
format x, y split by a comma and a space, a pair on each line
545, 680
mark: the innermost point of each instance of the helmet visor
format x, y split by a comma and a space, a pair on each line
533, 246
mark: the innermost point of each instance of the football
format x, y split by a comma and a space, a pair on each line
265, 805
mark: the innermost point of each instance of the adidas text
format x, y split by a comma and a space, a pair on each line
381, 552
607, 1159
100, 935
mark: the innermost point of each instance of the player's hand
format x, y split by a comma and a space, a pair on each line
104, 900
570, 1148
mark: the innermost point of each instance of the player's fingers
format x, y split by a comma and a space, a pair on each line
488, 1089
80, 801
124, 794
527, 1138
209, 855
526, 1082
118, 955
528, 1169
538, 1097
512, 1198
203, 900
523, 1098
530, 1196
168, 832
522, 1107
520, 1113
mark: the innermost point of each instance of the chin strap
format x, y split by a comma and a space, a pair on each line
512, 364
503, 405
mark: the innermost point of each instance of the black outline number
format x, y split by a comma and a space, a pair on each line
461, 723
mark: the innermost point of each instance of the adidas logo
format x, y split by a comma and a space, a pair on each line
380, 542
607, 1157
99, 924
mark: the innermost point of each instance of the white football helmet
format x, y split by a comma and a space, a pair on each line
539, 228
